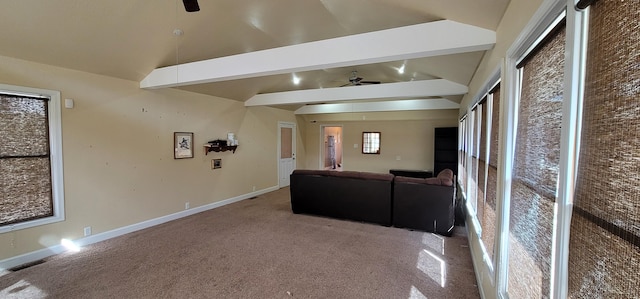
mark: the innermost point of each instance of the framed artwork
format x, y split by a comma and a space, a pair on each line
183, 145
216, 163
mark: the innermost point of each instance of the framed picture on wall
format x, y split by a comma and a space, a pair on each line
216, 163
183, 145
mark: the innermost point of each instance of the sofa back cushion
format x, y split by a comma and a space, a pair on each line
346, 174
444, 178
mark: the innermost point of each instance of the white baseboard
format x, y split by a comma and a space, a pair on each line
57, 249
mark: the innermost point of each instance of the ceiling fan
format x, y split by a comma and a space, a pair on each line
354, 80
191, 5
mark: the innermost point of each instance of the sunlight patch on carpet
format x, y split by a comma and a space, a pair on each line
22, 289
433, 241
433, 266
416, 294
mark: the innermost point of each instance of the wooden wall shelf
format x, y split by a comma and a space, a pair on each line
219, 148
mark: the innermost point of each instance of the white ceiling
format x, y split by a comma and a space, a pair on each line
128, 39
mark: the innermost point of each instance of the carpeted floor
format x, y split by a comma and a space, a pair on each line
256, 248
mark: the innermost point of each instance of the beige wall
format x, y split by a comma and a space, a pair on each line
118, 159
408, 135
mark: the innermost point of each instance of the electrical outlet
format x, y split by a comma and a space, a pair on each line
254, 188
87, 231
186, 205
398, 158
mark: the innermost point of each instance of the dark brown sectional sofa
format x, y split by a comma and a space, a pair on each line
352, 195
415, 203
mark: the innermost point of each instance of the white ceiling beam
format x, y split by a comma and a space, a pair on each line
399, 105
415, 41
399, 90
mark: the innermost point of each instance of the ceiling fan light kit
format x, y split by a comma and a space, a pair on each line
354, 80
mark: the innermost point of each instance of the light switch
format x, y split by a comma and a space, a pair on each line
68, 103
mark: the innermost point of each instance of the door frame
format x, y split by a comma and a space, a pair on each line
321, 156
284, 124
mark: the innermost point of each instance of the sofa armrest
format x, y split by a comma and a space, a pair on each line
427, 207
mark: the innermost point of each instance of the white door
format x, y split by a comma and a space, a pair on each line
286, 152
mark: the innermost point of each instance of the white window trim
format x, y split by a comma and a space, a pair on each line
575, 63
55, 144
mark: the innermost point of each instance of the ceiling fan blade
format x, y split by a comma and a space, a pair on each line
369, 82
191, 5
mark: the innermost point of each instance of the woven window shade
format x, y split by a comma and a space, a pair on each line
26, 189
535, 169
495, 129
25, 166
482, 154
462, 172
472, 179
461, 151
23, 126
489, 222
604, 248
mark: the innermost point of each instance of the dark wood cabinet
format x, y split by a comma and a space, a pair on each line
445, 145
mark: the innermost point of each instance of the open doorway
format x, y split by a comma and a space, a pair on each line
331, 151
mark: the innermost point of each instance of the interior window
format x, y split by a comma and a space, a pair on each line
371, 143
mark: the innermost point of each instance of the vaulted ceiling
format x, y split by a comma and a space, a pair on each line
253, 50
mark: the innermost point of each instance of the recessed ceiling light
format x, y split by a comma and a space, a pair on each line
295, 79
401, 69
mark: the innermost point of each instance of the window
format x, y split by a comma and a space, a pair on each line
371, 143
483, 175
472, 178
481, 161
604, 246
535, 167
462, 153
490, 207
30, 158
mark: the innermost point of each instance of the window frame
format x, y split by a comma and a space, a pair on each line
55, 148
